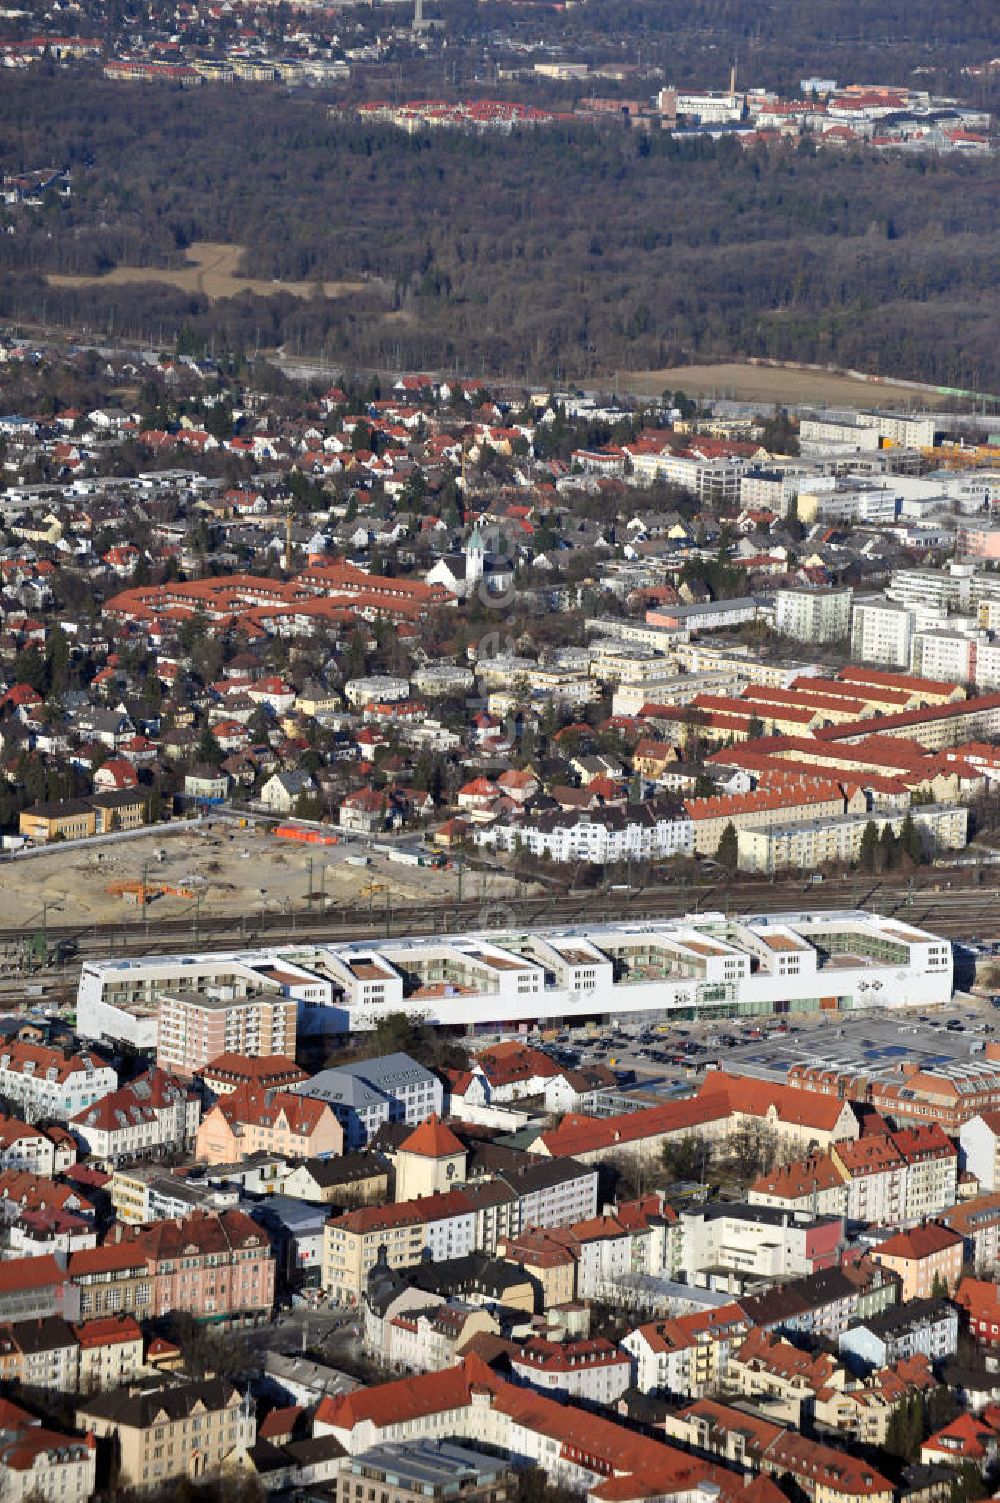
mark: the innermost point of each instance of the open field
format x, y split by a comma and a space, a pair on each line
765, 383
224, 871
213, 270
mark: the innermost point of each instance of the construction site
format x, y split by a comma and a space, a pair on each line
215, 867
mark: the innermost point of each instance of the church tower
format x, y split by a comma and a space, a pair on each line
475, 557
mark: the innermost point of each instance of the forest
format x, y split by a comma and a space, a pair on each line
562, 253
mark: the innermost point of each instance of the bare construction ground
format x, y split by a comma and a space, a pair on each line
218, 868
773, 385
212, 270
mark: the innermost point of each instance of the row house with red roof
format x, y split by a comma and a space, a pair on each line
824, 1473
687, 1355
49, 1082
882, 1179
216, 1266
85, 1357
156, 1111
252, 1120
586, 1451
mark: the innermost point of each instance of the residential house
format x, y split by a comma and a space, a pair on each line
977, 1222
110, 1352
927, 1259
156, 1111
174, 1429
353, 1179
917, 1328
42, 1151
49, 1082
825, 1473
282, 791
689, 1354
36, 1462
247, 1121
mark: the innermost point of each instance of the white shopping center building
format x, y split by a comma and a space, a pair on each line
702, 965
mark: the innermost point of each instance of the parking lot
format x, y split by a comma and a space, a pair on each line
672, 1058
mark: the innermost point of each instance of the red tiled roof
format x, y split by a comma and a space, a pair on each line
110, 1330
252, 1068
752, 1097
919, 1242
437, 1207
30, 1273
263, 1108
578, 1134
433, 1139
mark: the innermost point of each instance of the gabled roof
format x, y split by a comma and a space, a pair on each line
578, 1134
752, 1097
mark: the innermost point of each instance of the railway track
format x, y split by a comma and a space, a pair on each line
958, 912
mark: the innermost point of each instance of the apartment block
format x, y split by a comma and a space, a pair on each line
813, 615
48, 1082
194, 1029
881, 632
173, 1430
807, 845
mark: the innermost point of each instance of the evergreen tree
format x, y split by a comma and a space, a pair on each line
906, 1429
57, 659
208, 750
30, 668
909, 840
728, 853
868, 854
888, 850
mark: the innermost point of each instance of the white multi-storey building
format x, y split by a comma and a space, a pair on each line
804, 845
701, 965
813, 615
605, 835
119, 1001
907, 429
942, 589
881, 632
945, 655
49, 1083
594, 1371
